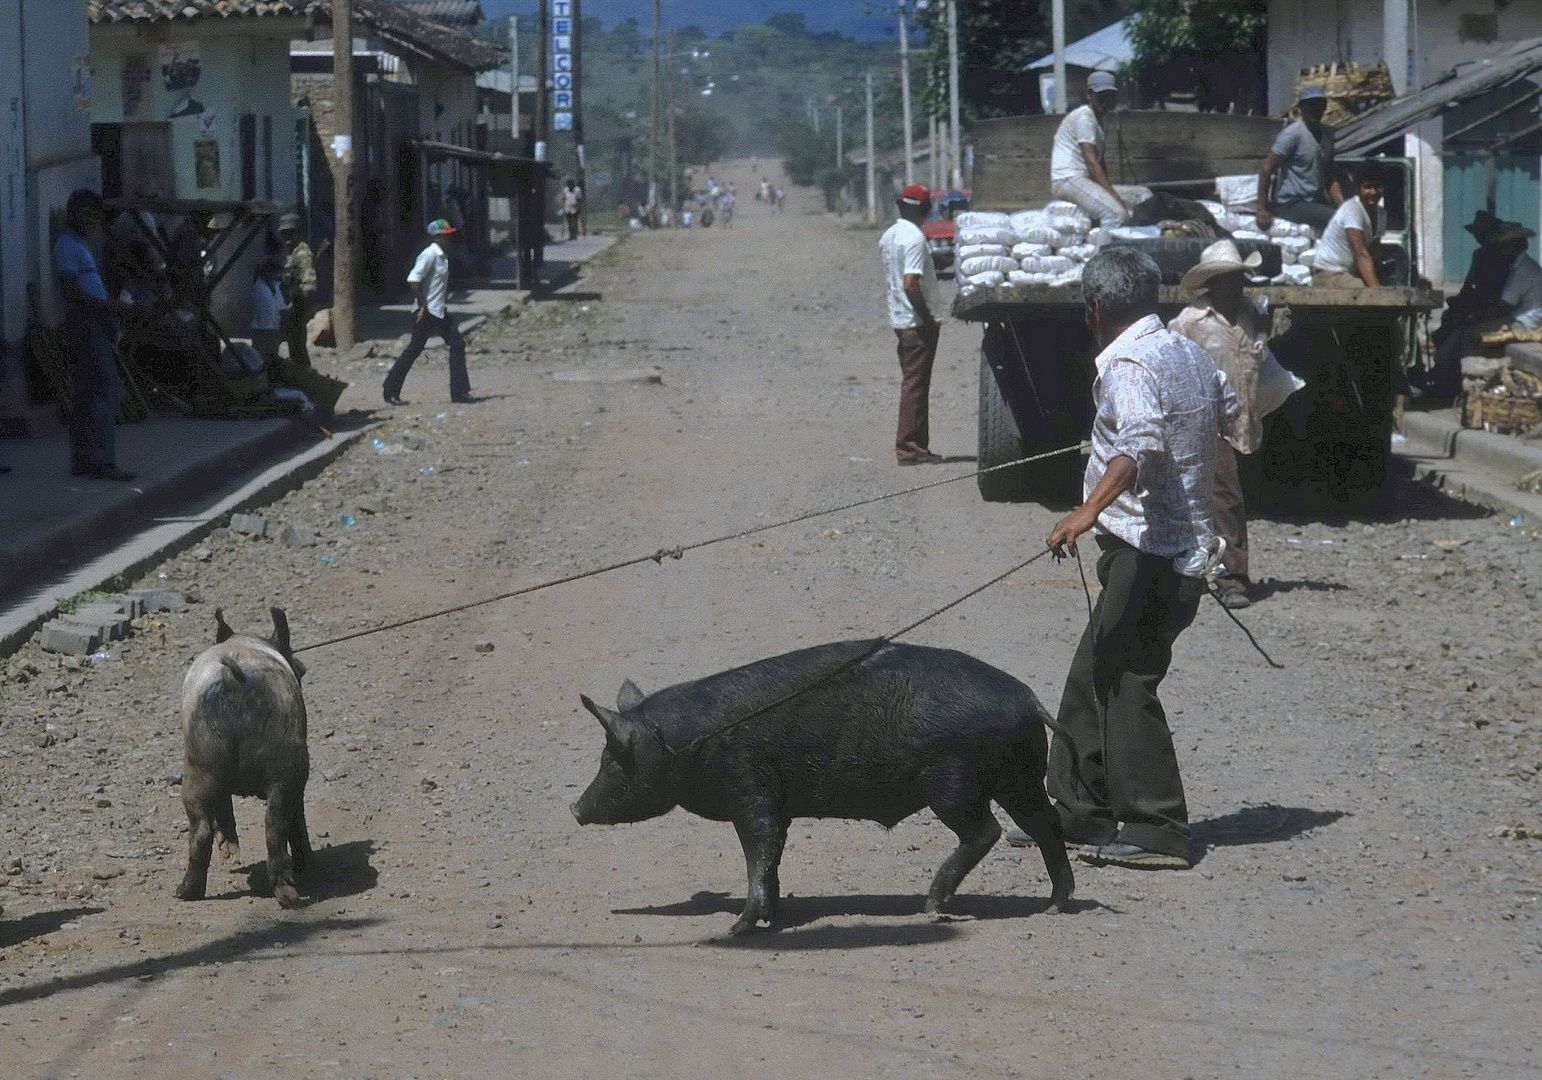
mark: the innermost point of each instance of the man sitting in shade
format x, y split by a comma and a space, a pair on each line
1301, 156
1076, 171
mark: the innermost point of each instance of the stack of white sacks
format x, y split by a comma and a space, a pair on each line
1050, 246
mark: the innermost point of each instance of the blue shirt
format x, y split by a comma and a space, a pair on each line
74, 259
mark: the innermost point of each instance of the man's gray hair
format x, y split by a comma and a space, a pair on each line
1123, 283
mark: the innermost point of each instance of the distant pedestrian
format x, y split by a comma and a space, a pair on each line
730, 200
572, 206
299, 288
781, 200
431, 277
91, 330
913, 308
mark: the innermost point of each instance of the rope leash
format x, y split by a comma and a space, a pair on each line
679, 551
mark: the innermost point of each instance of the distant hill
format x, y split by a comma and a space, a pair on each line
716, 16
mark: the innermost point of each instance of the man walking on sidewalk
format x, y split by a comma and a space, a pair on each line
913, 306
430, 276
1161, 403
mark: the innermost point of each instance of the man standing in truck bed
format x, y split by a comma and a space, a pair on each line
1076, 171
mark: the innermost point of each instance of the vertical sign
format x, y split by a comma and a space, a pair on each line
562, 65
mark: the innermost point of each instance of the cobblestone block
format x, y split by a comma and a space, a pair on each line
69, 638
248, 525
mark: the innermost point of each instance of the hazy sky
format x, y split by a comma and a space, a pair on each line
715, 16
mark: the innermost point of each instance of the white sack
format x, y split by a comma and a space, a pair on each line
1047, 264
1027, 219
1292, 247
1022, 277
1029, 251
975, 251
1078, 252
1280, 228
972, 268
988, 235
989, 279
982, 219
1039, 234
1239, 193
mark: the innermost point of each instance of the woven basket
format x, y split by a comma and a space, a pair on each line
1504, 413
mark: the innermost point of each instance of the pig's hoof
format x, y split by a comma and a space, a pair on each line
287, 896
746, 924
1058, 904
189, 892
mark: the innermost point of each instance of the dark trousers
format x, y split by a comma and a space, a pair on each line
97, 392
572, 220
917, 352
1315, 214
426, 327
295, 320
1112, 770
1231, 517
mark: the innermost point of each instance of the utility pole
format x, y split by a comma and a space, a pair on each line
1057, 17
674, 168
840, 138
934, 157
905, 93
872, 182
953, 148
519, 147
345, 235
578, 115
542, 76
653, 120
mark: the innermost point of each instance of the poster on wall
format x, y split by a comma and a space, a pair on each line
179, 65
136, 87
82, 81
206, 163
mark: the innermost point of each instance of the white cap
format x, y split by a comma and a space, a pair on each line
1100, 81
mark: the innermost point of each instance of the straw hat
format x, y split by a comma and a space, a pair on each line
1221, 257
1506, 232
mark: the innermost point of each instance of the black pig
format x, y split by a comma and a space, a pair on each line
244, 733
878, 731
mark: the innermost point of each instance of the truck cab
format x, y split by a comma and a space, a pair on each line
939, 228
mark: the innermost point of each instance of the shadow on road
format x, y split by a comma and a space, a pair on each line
16, 931
866, 936
337, 871
1267, 824
1268, 587
224, 950
794, 911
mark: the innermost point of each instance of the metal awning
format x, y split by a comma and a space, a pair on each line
1509, 65
478, 157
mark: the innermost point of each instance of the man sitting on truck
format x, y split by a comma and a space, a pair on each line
1302, 156
1344, 254
1076, 171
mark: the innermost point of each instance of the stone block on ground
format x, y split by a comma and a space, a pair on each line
107, 627
70, 639
248, 525
296, 536
161, 599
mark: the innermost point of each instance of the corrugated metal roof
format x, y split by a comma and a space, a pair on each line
395, 24
499, 78
1375, 126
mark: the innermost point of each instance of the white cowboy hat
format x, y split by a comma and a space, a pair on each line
1221, 257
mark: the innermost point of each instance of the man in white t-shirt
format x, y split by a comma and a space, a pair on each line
1344, 256
1076, 171
430, 278
913, 309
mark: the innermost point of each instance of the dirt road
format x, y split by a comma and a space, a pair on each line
1367, 899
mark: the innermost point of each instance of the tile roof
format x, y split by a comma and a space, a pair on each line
458, 13
395, 24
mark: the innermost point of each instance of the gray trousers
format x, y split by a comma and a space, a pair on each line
97, 393
1113, 772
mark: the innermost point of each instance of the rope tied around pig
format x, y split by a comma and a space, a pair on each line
678, 552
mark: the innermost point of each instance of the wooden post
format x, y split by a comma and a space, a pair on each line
1057, 35
345, 235
578, 116
653, 119
542, 77
674, 167
904, 30
953, 118
519, 147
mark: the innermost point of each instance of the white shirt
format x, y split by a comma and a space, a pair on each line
1523, 291
904, 250
1333, 250
267, 305
433, 265
1161, 401
1066, 161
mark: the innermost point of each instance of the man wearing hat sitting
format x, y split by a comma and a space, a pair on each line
1503, 285
1076, 171
430, 278
1224, 323
913, 308
1302, 155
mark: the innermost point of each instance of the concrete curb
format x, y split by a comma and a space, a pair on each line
1441, 436
144, 549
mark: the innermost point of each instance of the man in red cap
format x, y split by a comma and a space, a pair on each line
913, 308
430, 279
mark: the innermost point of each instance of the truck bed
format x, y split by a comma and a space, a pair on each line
1019, 301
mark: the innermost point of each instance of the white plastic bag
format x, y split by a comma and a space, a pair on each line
1073, 276
1248, 234
1078, 252
988, 235
1275, 384
1292, 274
988, 280
1308, 257
1134, 232
982, 219
1291, 247
1027, 219
975, 251
1028, 251
1047, 264
1022, 277
972, 268
1280, 228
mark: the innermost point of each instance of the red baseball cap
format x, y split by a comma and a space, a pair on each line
916, 195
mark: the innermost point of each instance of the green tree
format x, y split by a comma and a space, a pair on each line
1212, 49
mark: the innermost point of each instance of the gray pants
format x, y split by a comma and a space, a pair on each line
1315, 214
1092, 197
97, 392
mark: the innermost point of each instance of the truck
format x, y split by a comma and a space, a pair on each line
1328, 449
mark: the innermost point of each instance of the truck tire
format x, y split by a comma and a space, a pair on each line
999, 442
1177, 255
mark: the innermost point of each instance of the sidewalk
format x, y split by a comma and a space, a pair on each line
1478, 466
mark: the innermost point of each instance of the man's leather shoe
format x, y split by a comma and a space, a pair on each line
393, 399
464, 399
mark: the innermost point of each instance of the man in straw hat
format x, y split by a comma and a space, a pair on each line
1302, 157
430, 278
913, 309
1224, 323
1503, 285
1076, 171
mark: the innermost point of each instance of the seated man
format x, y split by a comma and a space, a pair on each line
1301, 155
1076, 171
1344, 259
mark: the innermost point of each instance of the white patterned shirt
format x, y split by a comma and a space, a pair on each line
1161, 402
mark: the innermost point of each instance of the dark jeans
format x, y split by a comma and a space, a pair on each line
917, 351
1315, 214
423, 329
295, 324
97, 392
572, 221
1112, 770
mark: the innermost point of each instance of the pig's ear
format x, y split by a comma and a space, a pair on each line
222, 630
618, 729
629, 696
280, 636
